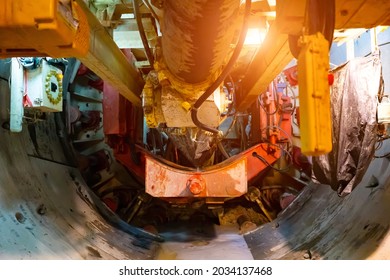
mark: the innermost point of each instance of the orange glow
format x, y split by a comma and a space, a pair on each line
254, 36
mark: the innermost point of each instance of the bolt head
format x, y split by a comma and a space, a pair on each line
196, 184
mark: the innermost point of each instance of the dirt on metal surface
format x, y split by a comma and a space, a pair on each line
331, 227
46, 209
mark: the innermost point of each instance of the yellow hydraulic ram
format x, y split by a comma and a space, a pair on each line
66, 28
314, 95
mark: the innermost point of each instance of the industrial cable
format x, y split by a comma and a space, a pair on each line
231, 111
383, 44
379, 145
264, 198
223, 75
219, 145
294, 97
141, 30
382, 156
230, 126
277, 101
263, 160
223, 150
379, 142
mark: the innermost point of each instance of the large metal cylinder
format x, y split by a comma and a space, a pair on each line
197, 36
47, 211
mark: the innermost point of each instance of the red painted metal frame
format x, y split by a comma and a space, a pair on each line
120, 124
277, 115
167, 180
227, 179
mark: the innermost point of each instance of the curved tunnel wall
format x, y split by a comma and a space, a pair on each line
321, 225
47, 212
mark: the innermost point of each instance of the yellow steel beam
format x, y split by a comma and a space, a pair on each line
274, 54
38, 28
48, 28
270, 60
107, 61
362, 13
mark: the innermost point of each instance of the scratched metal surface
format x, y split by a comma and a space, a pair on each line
46, 210
321, 225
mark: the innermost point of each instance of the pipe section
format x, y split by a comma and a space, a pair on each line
197, 36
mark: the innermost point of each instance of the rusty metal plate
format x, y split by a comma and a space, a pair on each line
227, 179
165, 181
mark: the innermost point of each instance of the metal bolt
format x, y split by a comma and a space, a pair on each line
20, 217
246, 225
195, 187
41, 210
253, 194
196, 184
